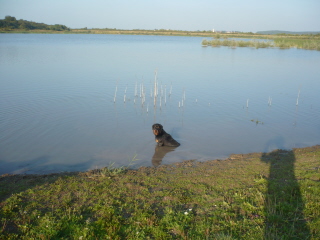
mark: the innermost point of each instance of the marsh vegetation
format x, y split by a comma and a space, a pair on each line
282, 43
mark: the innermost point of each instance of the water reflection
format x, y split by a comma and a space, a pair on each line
159, 154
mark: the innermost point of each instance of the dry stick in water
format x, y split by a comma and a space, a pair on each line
183, 96
115, 94
141, 94
165, 94
298, 98
155, 88
135, 90
144, 96
125, 92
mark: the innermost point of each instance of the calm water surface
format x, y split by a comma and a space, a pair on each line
57, 109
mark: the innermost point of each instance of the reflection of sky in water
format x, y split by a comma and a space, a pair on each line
57, 111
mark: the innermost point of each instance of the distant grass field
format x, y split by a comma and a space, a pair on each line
255, 196
163, 32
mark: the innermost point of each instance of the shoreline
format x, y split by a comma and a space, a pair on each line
192, 162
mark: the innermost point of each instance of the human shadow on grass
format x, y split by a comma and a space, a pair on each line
283, 201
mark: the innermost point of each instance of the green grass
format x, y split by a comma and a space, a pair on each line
255, 196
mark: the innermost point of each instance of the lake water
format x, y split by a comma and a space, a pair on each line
57, 109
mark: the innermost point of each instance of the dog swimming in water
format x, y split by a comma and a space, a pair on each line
162, 138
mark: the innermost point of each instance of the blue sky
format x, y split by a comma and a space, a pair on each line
229, 15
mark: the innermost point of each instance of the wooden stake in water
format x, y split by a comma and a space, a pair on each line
247, 103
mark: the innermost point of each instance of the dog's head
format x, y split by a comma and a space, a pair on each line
157, 129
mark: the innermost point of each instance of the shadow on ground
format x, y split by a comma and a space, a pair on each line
283, 203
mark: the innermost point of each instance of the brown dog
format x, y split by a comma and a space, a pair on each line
163, 138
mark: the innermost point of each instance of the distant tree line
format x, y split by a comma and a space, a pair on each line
10, 22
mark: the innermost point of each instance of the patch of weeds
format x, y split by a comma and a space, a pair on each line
111, 170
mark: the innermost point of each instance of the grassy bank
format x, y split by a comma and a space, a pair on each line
283, 43
255, 196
